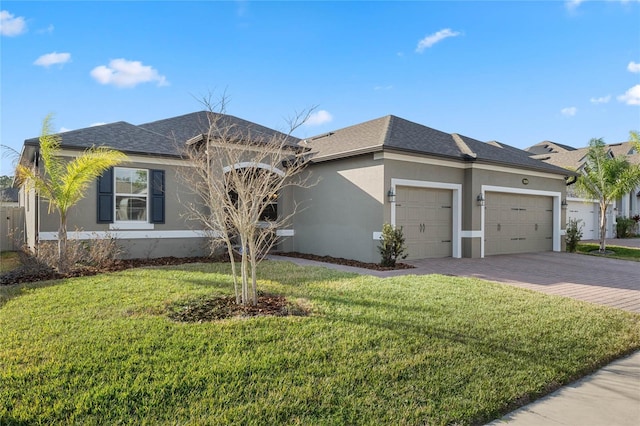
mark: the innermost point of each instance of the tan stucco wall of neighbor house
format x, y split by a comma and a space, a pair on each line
342, 210
28, 200
177, 237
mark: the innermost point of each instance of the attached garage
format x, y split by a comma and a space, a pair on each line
426, 217
587, 213
518, 223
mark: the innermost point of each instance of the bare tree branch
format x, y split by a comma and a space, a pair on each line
238, 173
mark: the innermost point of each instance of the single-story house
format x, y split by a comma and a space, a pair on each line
587, 210
453, 196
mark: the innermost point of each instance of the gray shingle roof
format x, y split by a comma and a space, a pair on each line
574, 159
162, 138
546, 147
394, 133
9, 195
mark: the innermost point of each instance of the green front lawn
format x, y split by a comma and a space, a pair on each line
624, 253
406, 350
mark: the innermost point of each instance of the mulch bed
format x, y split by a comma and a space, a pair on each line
346, 262
214, 308
35, 272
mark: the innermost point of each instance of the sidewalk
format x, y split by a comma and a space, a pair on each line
610, 396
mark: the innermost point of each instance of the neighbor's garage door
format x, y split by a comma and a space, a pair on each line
588, 214
517, 223
425, 216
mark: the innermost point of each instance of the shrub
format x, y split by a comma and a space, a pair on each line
624, 227
573, 234
100, 253
392, 245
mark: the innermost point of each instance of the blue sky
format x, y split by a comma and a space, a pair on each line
516, 72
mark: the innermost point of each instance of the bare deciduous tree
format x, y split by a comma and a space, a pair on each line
238, 172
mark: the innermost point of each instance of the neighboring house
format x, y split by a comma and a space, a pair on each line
588, 210
453, 196
9, 197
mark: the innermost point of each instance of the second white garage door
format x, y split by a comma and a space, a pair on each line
587, 213
516, 223
426, 218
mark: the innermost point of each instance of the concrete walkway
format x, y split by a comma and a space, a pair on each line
611, 396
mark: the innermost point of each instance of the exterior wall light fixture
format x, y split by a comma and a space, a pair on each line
480, 200
564, 203
391, 195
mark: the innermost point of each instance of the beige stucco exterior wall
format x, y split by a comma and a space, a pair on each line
349, 204
341, 212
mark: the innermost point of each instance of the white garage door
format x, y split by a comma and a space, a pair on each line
588, 214
516, 223
426, 217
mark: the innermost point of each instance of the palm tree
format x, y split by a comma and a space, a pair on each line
65, 183
606, 178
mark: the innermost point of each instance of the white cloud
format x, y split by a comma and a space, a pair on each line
64, 129
48, 30
434, 38
97, 124
52, 59
389, 87
573, 4
11, 25
318, 118
601, 100
631, 96
633, 67
124, 73
569, 111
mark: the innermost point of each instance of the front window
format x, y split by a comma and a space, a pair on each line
132, 187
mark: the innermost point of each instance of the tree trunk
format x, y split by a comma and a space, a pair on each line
62, 244
254, 266
233, 272
245, 275
603, 227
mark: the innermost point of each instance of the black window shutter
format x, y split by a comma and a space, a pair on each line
157, 196
105, 197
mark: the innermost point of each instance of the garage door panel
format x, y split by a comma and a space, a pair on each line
518, 223
426, 217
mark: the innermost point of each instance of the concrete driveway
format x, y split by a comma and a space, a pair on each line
604, 281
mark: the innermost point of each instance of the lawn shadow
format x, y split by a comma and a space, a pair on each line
8, 292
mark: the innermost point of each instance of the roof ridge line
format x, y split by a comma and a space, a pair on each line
462, 146
387, 130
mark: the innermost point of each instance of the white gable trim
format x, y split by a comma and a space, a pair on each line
248, 164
